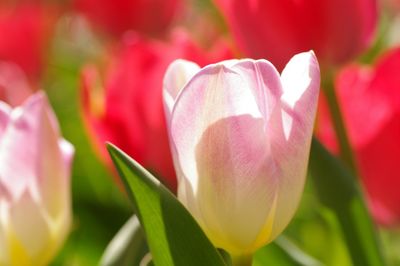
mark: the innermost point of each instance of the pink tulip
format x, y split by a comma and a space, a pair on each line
240, 136
337, 30
118, 16
34, 183
125, 106
369, 98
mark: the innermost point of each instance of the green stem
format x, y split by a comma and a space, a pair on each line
346, 152
243, 260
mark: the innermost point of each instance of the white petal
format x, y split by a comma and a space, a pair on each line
177, 75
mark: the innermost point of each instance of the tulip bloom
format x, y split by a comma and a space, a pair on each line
34, 183
126, 106
369, 98
337, 30
240, 136
118, 16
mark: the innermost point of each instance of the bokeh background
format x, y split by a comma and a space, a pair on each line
75, 50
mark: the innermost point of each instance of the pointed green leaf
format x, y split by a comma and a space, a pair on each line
128, 247
173, 236
338, 190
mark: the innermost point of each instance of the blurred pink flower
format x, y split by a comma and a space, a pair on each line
118, 16
240, 137
369, 98
337, 30
25, 31
14, 86
35, 204
124, 106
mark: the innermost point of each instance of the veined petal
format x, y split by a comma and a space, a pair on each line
301, 82
263, 80
177, 75
301, 76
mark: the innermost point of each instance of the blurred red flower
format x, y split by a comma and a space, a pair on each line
25, 31
117, 16
337, 30
124, 106
369, 97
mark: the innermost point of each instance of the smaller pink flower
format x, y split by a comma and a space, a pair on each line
35, 204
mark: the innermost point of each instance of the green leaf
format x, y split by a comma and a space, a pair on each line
128, 247
337, 189
173, 236
283, 252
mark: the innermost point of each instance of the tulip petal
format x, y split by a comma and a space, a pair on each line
31, 234
301, 82
217, 125
176, 76
68, 151
3, 239
19, 145
53, 165
5, 111
32, 139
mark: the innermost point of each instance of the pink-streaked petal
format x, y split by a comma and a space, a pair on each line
301, 82
177, 75
231, 163
301, 76
263, 80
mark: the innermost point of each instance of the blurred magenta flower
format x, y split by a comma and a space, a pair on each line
369, 98
337, 30
34, 183
118, 16
25, 31
125, 107
240, 136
